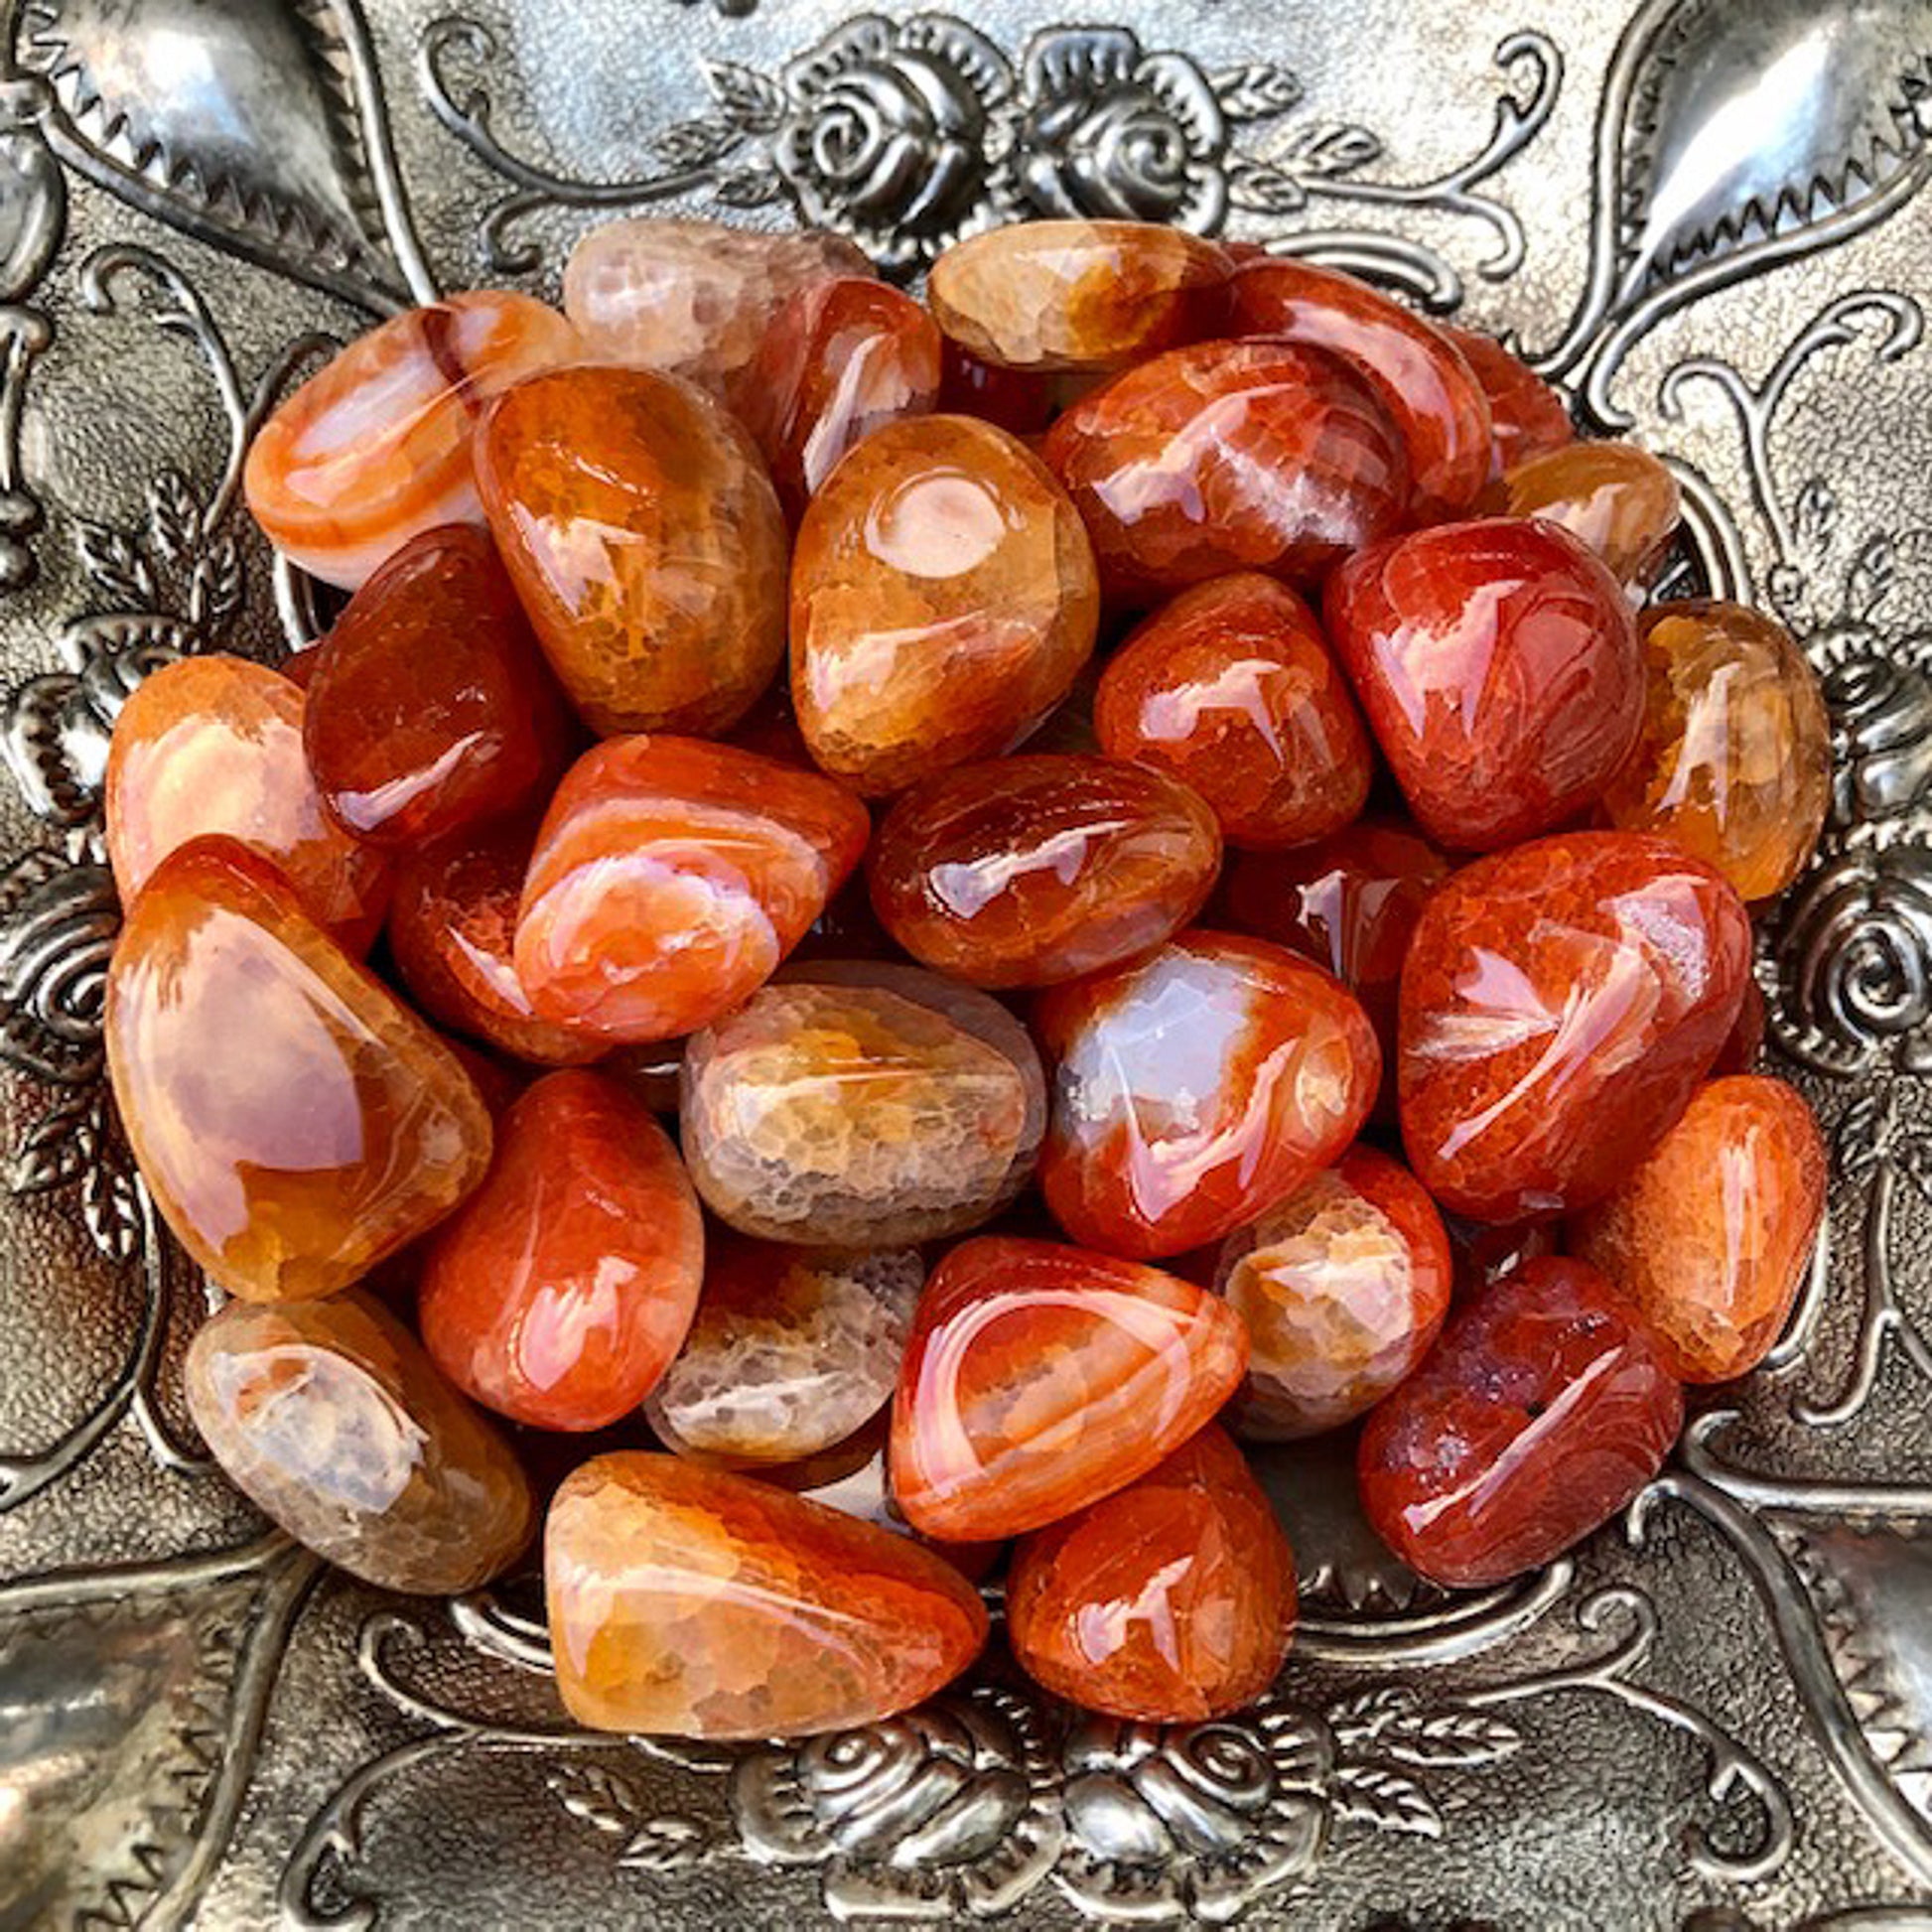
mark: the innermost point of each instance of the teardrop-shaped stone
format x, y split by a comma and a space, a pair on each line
698, 1604
292, 1120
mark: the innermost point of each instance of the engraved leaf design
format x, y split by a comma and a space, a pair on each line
1264, 188
664, 1843
748, 187
118, 566
52, 1152
752, 102
604, 1799
1448, 1737
695, 144
174, 517
1360, 1718
1872, 576
1331, 151
1256, 90
110, 1201
1370, 1794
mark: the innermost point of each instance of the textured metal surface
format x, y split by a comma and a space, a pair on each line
1703, 218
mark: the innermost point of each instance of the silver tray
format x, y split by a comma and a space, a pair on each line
1703, 218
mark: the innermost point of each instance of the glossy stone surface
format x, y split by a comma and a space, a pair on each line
294, 1122
1349, 903
1194, 1086
1484, 1251
1027, 870
1712, 1235
645, 542
332, 1421
1526, 416
943, 599
792, 1349
1500, 672
1040, 1378
1344, 1284
1541, 1410
1734, 759
668, 880
1229, 456
1616, 498
1746, 1040
213, 744
452, 934
429, 706
375, 449
693, 297
1231, 687
1417, 371
862, 1106
558, 1292
1170, 1602
1023, 402
1078, 294
1559, 1007
841, 360
698, 1604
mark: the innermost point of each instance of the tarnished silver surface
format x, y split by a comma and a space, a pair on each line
1703, 218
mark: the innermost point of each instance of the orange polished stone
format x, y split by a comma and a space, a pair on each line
1344, 1284
1024, 871
452, 933
1712, 1235
429, 706
1078, 294
1194, 1086
328, 1417
1746, 1040
213, 744
1231, 687
1417, 372
943, 600
1560, 1005
1229, 456
1040, 1378
645, 541
670, 878
294, 1122
1526, 416
1169, 1601
702, 1605
376, 448
558, 1291
841, 360
1735, 757
1614, 496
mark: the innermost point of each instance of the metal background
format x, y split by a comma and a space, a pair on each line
1702, 217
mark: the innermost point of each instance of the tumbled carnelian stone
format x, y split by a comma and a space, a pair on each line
429, 706
213, 744
294, 1122
453, 931
558, 1292
943, 599
1417, 372
668, 880
330, 1418
645, 542
860, 1104
1541, 1412
1169, 1601
1746, 1040
1560, 1005
1526, 416
1344, 1284
1024, 871
1022, 401
1711, 1234
1348, 903
1734, 759
1040, 1378
698, 1604
1194, 1086
1078, 294
375, 449
1500, 672
1231, 687
1616, 498
1229, 456
1486, 1251
841, 360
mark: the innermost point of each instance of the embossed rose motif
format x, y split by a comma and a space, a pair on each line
1106, 131
888, 130
1878, 692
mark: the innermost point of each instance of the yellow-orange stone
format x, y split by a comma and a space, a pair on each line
705, 1605
294, 1122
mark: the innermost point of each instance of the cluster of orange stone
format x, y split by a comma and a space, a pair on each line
1339, 556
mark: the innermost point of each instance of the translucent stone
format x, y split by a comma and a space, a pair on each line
1526, 416
1619, 500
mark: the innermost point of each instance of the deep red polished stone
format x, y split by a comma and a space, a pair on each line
1541, 1410
1500, 671
1527, 417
